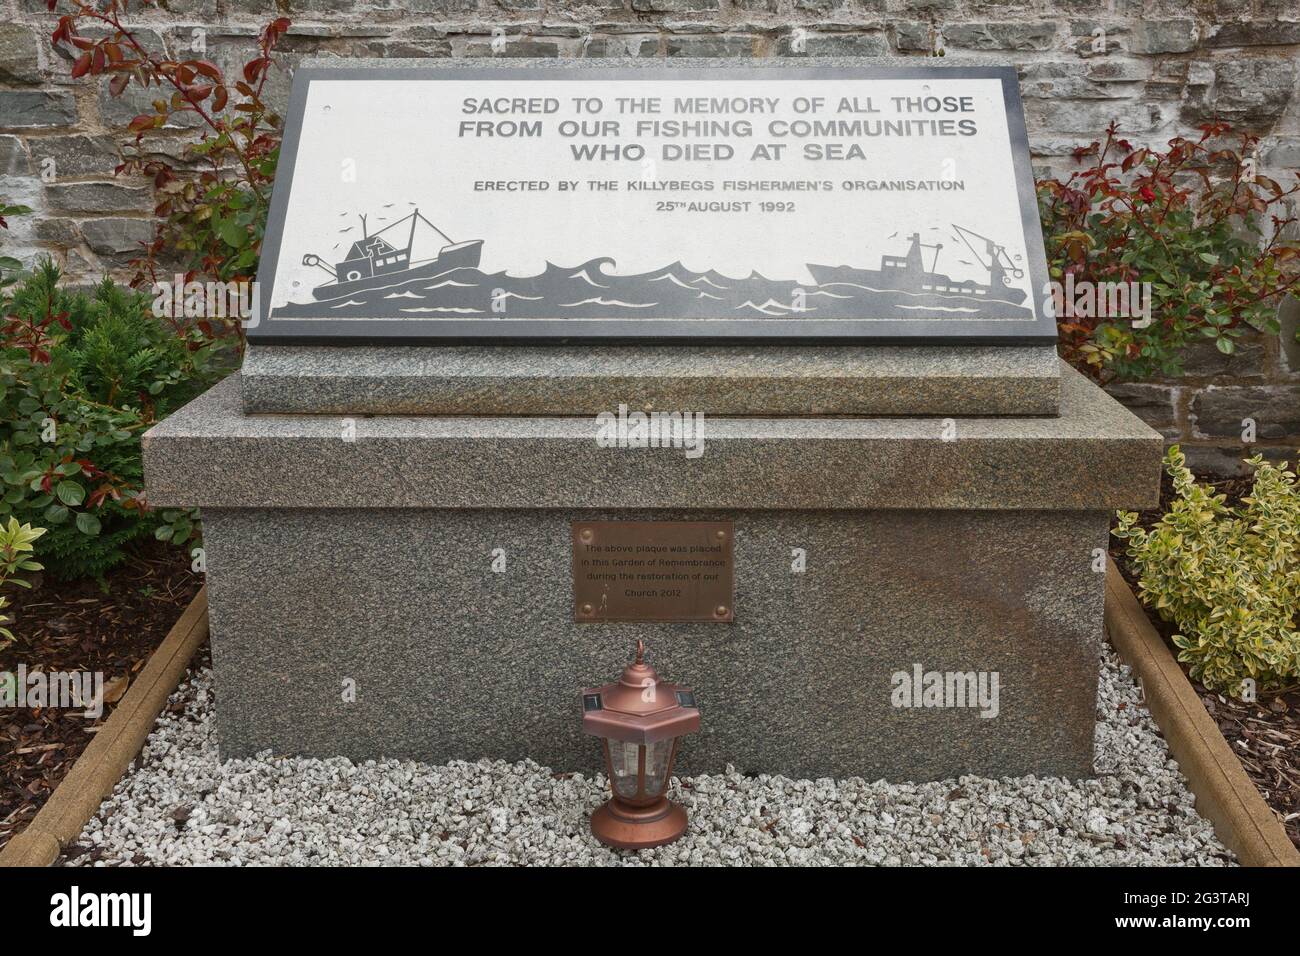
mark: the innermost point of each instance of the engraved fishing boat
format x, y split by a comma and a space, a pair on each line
373, 262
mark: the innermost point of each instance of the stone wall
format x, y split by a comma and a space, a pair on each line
1158, 66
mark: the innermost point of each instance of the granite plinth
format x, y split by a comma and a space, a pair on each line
357, 552
717, 380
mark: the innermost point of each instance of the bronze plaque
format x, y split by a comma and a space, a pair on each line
653, 571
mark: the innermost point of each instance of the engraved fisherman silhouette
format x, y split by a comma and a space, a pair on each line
908, 273
373, 262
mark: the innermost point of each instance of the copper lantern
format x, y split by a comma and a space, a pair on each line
640, 720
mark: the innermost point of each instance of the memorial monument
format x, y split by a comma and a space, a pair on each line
755, 362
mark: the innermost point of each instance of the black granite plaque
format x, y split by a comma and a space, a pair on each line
537, 204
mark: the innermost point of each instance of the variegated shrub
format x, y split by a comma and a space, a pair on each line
1227, 577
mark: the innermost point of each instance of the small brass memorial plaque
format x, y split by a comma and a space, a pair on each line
653, 571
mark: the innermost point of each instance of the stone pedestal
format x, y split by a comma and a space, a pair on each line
345, 550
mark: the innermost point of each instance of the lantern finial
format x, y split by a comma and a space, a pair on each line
640, 651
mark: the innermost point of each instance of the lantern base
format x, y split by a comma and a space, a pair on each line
635, 828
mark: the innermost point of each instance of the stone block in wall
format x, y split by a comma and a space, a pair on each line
1251, 93
19, 64
99, 197
296, 9
835, 44
582, 6
1219, 411
674, 6
1230, 460
405, 46
914, 37
927, 7
1117, 70
1157, 405
1237, 33
1097, 39
1018, 35
13, 157
1272, 9
607, 46
57, 231
26, 109
1168, 77
1063, 79
718, 46
415, 42
1163, 36
1280, 153
166, 9
135, 100
402, 10
117, 238
1089, 118
74, 156
514, 46
1204, 360
1288, 314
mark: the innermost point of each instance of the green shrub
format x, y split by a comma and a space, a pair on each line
15, 555
1227, 577
82, 377
1214, 239
9, 266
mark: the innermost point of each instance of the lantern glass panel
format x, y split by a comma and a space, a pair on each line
656, 766
624, 760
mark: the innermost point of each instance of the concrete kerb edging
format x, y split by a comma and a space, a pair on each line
117, 743
1224, 794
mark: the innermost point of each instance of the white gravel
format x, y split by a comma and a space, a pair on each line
181, 806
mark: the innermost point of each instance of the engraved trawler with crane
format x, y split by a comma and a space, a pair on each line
374, 263
907, 274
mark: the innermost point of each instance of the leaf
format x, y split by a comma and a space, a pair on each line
70, 493
116, 688
232, 233
88, 524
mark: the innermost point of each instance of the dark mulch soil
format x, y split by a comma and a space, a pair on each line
80, 626
1265, 734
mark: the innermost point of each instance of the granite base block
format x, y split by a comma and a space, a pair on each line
452, 660
716, 380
